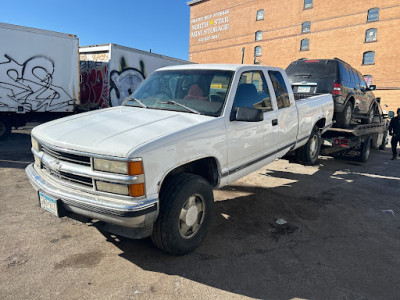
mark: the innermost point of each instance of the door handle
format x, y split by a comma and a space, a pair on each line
274, 122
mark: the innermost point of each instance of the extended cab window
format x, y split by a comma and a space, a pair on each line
281, 91
253, 91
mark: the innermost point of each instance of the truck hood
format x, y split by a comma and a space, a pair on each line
114, 131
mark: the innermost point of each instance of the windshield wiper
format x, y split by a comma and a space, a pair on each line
181, 105
138, 101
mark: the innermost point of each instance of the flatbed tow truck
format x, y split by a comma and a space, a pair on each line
356, 141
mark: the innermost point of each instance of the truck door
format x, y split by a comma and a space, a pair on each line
251, 143
287, 111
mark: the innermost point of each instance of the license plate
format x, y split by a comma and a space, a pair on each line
303, 89
48, 203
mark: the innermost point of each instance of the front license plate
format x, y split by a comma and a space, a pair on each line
48, 203
303, 89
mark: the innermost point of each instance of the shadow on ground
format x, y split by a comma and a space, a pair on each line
331, 243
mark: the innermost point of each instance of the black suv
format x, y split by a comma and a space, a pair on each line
352, 97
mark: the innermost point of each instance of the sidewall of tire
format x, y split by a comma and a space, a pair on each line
166, 235
304, 153
341, 117
365, 148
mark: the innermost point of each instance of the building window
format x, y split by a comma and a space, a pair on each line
257, 51
373, 15
259, 35
370, 35
260, 14
369, 58
306, 27
304, 45
307, 4
368, 79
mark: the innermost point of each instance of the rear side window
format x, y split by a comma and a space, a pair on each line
344, 75
356, 79
281, 91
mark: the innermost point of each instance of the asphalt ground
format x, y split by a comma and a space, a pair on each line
341, 239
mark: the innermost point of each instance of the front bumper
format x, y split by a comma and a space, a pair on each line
134, 214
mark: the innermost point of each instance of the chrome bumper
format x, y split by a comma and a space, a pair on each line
135, 213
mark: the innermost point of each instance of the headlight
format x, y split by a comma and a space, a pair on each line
35, 144
131, 168
119, 167
121, 189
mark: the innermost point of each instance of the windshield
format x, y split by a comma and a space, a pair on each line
190, 91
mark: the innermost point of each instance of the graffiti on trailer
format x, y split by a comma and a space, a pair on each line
29, 84
94, 84
124, 82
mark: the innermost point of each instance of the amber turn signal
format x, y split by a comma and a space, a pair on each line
135, 168
136, 190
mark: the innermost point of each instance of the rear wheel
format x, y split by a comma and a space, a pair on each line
186, 207
343, 119
308, 154
365, 150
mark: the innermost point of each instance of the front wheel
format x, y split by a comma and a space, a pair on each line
186, 207
370, 117
308, 154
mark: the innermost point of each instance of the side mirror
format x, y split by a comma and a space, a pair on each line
249, 114
391, 114
372, 87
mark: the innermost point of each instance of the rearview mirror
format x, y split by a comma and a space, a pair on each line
249, 114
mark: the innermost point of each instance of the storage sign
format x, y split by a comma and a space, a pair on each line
210, 26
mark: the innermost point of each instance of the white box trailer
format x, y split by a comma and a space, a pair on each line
110, 72
39, 75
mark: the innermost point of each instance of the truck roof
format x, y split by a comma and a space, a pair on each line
225, 67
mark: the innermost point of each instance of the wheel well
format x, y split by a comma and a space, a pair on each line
352, 101
321, 123
205, 167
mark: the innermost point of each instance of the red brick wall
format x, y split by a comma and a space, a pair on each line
337, 30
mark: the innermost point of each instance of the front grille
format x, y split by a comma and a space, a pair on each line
87, 181
63, 156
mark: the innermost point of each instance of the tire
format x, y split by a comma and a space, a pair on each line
343, 119
5, 129
308, 154
383, 145
365, 149
370, 118
186, 208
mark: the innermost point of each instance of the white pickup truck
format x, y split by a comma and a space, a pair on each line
149, 167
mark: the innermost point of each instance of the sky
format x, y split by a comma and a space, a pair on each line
159, 25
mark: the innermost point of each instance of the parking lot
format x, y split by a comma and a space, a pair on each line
341, 239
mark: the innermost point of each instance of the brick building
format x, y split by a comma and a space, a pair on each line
364, 33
